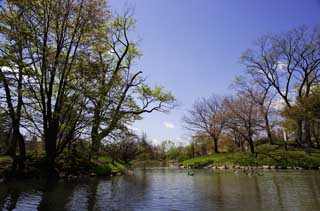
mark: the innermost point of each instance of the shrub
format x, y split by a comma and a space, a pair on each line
103, 170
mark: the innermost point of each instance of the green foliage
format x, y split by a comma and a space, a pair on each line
307, 108
216, 159
266, 155
115, 166
103, 170
157, 92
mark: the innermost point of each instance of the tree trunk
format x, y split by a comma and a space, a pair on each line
241, 146
268, 129
192, 150
215, 141
11, 150
51, 153
95, 139
22, 151
307, 135
95, 144
299, 138
251, 145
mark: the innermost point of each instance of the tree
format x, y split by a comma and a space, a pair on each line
52, 35
260, 94
168, 150
12, 71
148, 151
244, 117
118, 94
4, 132
290, 63
71, 63
202, 144
305, 109
207, 117
124, 148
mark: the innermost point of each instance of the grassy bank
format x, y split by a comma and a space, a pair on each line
106, 166
148, 163
266, 155
35, 167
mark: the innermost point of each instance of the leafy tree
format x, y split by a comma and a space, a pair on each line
117, 93
12, 71
125, 148
306, 109
71, 63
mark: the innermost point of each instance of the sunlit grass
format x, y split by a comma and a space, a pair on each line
265, 155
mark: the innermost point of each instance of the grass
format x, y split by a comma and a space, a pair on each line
146, 163
102, 166
271, 155
215, 159
115, 167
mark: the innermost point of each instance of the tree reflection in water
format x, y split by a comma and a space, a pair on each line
169, 189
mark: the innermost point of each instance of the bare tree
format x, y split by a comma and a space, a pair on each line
260, 94
207, 117
290, 63
244, 117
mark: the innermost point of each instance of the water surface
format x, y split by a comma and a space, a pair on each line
170, 189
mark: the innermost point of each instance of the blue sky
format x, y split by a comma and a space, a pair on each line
192, 47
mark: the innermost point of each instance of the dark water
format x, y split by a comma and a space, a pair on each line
171, 189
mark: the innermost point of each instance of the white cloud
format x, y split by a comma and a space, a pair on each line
130, 127
282, 65
169, 125
155, 141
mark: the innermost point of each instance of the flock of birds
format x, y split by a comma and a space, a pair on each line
249, 172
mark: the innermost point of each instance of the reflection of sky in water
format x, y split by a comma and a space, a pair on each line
164, 189
25, 202
78, 199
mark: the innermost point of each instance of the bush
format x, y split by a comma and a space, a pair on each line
103, 170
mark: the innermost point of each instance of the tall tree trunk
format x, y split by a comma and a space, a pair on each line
19, 140
95, 145
11, 149
51, 152
307, 135
251, 145
215, 141
192, 150
299, 137
22, 153
242, 145
95, 139
268, 129
15, 139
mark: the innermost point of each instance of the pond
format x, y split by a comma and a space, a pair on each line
171, 189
